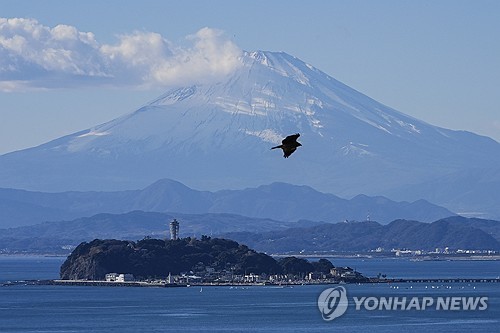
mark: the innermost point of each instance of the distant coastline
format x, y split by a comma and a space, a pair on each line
369, 255
158, 284
345, 255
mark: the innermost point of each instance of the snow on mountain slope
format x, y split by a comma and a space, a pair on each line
218, 136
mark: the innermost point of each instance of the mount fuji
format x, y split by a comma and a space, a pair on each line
218, 136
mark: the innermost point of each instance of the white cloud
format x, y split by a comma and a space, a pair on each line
211, 56
36, 56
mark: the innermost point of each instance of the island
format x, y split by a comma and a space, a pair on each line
194, 261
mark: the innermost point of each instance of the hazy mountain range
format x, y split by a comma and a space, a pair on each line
217, 136
277, 201
455, 233
263, 234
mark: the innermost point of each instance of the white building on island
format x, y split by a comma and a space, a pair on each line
115, 277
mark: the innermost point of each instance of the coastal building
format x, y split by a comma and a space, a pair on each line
341, 271
252, 278
115, 277
174, 230
348, 274
314, 276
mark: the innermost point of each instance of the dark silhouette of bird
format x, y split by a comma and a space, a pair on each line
289, 145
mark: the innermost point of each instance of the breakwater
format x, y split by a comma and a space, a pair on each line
161, 284
441, 280
93, 283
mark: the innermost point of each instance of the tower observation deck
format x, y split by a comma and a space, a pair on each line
174, 229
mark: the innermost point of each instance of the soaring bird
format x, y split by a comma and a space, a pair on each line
289, 145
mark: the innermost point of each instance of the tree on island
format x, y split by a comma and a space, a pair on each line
296, 266
323, 266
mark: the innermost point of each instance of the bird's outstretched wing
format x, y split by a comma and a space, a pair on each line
290, 139
288, 150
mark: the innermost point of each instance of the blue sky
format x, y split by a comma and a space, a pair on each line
81, 63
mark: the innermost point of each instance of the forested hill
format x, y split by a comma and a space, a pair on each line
454, 233
158, 258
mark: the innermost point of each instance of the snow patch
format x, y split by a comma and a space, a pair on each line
262, 103
356, 149
93, 133
267, 135
299, 76
315, 101
316, 123
175, 96
260, 57
269, 92
234, 106
408, 126
372, 123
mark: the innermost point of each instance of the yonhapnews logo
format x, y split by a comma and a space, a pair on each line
333, 303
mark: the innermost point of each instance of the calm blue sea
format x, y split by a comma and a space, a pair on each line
248, 309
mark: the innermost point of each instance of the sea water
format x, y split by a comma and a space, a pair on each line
25, 308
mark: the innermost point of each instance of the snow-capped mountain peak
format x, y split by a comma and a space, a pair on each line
217, 136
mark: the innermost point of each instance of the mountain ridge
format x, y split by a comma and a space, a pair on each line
294, 203
218, 137
265, 234
368, 236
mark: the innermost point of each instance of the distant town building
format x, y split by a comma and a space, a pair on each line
252, 278
341, 271
314, 275
174, 230
115, 277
